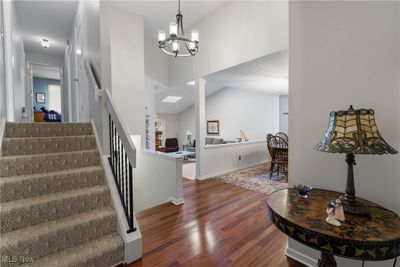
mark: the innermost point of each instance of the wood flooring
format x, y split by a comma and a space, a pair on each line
218, 225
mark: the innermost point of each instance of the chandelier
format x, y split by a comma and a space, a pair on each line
176, 42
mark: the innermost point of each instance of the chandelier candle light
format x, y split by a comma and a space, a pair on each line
176, 42
353, 132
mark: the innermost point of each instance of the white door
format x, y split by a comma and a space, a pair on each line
55, 97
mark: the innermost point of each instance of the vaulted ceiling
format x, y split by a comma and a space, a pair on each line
158, 14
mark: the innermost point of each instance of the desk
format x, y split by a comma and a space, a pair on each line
372, 238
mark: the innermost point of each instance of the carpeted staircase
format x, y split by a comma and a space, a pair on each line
55, 206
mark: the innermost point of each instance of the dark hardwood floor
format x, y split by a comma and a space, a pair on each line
219, 225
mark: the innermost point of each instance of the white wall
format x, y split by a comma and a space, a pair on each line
16, 66
220, 159
257, 114
3, 102
156, 66
236, 32
283, 118
125, 54
156, 62
344, 53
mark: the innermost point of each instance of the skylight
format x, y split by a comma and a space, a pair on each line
172, 99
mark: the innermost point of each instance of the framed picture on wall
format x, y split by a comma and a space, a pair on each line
40, 98
213, 127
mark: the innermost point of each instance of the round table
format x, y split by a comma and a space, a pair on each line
371, 238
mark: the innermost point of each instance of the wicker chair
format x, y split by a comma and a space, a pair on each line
283, 136
278, 149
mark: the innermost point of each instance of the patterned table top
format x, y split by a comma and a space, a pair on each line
374, 237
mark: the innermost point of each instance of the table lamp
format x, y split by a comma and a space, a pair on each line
353, 132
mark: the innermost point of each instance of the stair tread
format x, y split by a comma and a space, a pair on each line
88, 251
49, 137
48, 154
47, 174
51, 197
38, 230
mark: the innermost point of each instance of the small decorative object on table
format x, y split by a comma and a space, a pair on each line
303, 190
339, 212
331, 215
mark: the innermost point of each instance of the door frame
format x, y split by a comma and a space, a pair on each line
29, 88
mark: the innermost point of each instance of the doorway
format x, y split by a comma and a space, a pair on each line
46, 93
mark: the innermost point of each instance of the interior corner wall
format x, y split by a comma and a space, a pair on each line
3, 102
344, 53
156, 64
125, 54
16, 73
234, 33
284, 113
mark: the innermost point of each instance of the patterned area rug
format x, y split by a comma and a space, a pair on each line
255, 179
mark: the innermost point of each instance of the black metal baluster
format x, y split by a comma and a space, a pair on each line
130, 213
120, 166
123, 176
117, 163
110, 137
126, 182
114, 153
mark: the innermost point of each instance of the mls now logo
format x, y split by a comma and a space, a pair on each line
16, 259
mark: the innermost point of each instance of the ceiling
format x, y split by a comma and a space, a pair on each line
268, 75
158, 14
46, 19
187, 92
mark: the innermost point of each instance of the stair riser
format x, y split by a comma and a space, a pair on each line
68, 236
47, 163
33, 146
48, 184
105, 251
47, 129
29, 215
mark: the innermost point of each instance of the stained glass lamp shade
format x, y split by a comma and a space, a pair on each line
353, 132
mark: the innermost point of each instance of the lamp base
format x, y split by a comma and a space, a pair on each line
354, 207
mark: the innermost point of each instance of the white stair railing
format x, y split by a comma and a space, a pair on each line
122, 157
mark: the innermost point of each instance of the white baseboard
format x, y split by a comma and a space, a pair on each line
211, 175
176, 201
300, 257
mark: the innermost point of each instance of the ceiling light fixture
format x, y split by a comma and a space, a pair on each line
171, 99
176, 40
45, 43
191, 82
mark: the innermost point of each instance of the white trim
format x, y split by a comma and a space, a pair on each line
132, 241
176, 201
2, 131
300, 257
216, 146
211, 175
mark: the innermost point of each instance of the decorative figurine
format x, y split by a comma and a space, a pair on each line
303, 190
331, 215
339, 212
